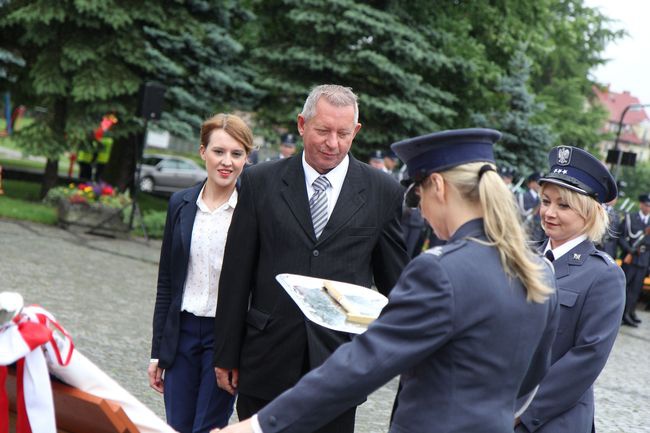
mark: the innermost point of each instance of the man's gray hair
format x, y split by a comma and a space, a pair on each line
336, 95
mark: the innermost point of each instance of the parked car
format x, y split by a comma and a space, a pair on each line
165, 173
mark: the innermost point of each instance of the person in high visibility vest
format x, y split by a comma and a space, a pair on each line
103, 154
100, 152
85, 159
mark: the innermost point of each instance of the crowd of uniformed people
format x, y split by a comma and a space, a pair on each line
503, 302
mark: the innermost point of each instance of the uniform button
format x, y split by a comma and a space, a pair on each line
273, 421
535, 422
315, 253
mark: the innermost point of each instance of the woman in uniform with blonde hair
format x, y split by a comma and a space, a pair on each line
468, 325
591, 291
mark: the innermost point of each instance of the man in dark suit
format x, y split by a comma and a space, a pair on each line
321, 213
635, 244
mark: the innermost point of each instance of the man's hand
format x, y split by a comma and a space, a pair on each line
627, 259
155, 377
228, 380
240, 427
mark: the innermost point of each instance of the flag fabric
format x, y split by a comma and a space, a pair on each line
27, 341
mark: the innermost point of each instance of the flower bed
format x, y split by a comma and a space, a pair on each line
94, 208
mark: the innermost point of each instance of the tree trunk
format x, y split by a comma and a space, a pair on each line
50, 176
121, 165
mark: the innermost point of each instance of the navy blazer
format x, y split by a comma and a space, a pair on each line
460, 331
172, 271
272, 233
591, 289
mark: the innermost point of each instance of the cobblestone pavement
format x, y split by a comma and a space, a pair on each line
102, 290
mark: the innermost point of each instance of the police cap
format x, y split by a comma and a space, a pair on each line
578, 170
288, 140
644, 198
377, 154
534, 177
390, 154
506, 171
441, 151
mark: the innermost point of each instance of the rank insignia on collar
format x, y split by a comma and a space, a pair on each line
564, 155
436, 251
576, 256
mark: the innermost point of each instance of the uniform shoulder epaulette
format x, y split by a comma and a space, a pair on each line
606, 257
441, 250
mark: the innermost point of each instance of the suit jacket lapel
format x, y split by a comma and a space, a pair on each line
294, 193
350, 200
186, 219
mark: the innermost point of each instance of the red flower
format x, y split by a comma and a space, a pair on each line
107, 190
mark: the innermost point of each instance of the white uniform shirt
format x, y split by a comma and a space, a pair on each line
565, 247
206, 257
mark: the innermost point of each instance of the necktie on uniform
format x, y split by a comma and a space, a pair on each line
318, 204
549, 255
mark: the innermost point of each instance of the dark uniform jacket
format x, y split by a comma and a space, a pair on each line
632, 229
272, 233
610, 241
591, 288
458, 329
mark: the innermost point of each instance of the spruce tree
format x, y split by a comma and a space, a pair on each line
86, 58
524, 144
388, 62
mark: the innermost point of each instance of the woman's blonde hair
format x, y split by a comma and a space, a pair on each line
594, 214
502, 225
233, 125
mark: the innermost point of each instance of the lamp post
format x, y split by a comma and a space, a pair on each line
618, 134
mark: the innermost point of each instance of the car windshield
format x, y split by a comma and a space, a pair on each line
151, 160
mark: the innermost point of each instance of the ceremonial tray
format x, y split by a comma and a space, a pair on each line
321, 308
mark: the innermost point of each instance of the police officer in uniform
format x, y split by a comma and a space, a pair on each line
287, 147
528, 202
590, 287
635, 245
507, 174
469, 325
376, 160
609, 244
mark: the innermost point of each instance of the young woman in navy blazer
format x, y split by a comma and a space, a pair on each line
188, 282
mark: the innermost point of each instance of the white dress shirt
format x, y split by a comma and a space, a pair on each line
565, 247
206, 256
336, 177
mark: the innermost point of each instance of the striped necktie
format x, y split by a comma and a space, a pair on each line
318, 204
